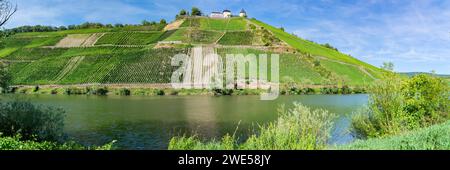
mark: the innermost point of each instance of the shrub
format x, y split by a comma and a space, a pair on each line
330, 90
160, 92
427, 99
76, 91
16, 143
5, 78
31, 121
36, 88
435, 137
397, 105
101, 91
124, 92
296, 128
220, 92
346, 90
54, 91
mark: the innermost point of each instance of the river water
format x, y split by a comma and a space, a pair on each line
142, 122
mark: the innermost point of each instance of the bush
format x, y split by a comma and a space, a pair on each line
31, 121
432, 138
16, 143
220, 92
397, 105
5, 78
160, 92
36, 88
124, 92
330, 90
346, 90
76, 91
101, 91
296, 128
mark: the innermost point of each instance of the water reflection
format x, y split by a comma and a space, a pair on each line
150, 122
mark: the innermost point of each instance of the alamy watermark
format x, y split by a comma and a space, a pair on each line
204, 69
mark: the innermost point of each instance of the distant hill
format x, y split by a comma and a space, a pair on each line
137, 54
410, 74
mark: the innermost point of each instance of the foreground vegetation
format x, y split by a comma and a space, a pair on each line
25, 126
297, 128
16, 143
398, 116
397, 105
436, 137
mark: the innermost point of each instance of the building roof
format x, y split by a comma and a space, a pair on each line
226, 10
216, 13
242, 11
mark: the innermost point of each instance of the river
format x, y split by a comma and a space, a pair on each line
142, 122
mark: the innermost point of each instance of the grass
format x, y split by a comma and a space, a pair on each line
312, 48
194, 36
35, 53
99, 65
7, 51
103, 61
129, 38
203, 23
14, 143
233, 24
149, 66
298, 128
237, 38
436, 137
42, 71
351, 74
292, 66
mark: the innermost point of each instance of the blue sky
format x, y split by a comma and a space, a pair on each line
414, 35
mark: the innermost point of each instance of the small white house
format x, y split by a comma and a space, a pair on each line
226, 13
243, 13
216, 15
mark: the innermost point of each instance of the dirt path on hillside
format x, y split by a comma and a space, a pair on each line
71, 65
204, 65
174, 25
92, 39
73, 40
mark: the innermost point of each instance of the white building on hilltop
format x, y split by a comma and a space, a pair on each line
243, 13
226, 14
216, 15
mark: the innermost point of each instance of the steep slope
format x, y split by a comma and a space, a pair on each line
136, 54
315, 49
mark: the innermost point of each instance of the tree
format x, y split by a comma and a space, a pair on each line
163, 21
6, 11
145, 23
388, 66
196, 11
5, 78
182, 12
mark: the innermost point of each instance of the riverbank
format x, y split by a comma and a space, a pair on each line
165, 89
436, 137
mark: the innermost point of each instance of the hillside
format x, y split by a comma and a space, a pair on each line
141, 55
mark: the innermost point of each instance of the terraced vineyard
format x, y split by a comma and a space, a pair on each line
203, 23
294, 67
147, 66
133, 55
195, 36
239, 38
129, 38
